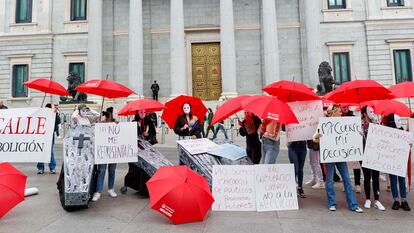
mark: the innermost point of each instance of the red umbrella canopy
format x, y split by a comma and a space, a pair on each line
403, 90
289, 91
147, 105
268, 107
228, 108
180, 194
12, 185
104, 88
174, 108
47, 86
359, 91
386, 107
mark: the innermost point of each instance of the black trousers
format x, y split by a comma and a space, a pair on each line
155, 95
368, 175
210, 127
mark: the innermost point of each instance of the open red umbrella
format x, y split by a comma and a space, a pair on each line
228, 108
268, 107
12, 185
174, 108
386, 107
180, 194
290, 91
47, 86
403, 90
147, 105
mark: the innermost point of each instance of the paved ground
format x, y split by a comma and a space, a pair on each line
131, 213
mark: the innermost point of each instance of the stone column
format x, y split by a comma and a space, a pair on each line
270, 42
136, 48
95, 40
228, 49
177, 49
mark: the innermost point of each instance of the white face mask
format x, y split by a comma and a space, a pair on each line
141, 114
371, 115
83, 112
397, 121
186, 109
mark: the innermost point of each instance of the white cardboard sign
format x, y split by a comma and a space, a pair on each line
387, 150
341, 139
198, 146
308, 114
116, 143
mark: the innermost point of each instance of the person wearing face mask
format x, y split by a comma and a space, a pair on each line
145, 127
368, 116
85, 116
393, 121
187, 125
248, 128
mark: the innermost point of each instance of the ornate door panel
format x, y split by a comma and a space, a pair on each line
206, 70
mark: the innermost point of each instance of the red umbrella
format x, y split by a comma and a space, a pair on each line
180, 194
12, 185
174, 108
47, 86
228, 108
403, 90
386, 107
268, 107
289, 91
147, 105
104, 88
359, 91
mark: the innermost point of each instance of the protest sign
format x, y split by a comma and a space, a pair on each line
198, 146
308, 114
116, 143
229, 151
341, 139
387, 150
275, 187
233, 188
26, 134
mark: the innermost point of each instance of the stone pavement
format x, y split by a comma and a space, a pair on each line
131, 213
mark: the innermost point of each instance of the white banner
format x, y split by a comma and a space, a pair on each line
387, 150
198, 146
233, 188
308, 114
26, 134
341, 139
276, 187
116, 143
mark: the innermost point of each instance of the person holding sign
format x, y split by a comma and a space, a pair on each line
248, 128
393, 121
270, 133
187, 124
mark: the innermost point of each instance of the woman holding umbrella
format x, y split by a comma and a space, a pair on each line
248, 129
187, 124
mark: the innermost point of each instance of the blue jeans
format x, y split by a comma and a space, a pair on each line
394, 189
101, 176
52, 164
221, 128
330, 190
297, 156
270, 151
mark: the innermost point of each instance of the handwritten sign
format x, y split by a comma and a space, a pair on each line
387, 150
275, 187
341, 139
233, 188
308, 114
198, 146
26, 134
116, 143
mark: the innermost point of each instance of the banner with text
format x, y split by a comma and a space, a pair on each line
198, 146
26, 134
308, 114
341, 139
387, 150
116, 143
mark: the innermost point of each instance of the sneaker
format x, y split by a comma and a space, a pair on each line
332, 208
319, 185
379, 206
40, 172
405, 206
396, 205
358, 210
358, 189
301, 193
311, 182
112, 193
53, 172
96, 197
367, 204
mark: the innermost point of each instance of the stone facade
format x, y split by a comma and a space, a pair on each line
307, 32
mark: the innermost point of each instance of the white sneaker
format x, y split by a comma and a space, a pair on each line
332, 208
319, 185
112, 193
358, 189
367, 204
379, 206
96, 197
359, 210
310, 182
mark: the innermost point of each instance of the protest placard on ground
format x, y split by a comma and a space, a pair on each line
198, 146
116, 143
233, 188
308, 114
275, 187
229, 151
341, 139
387, 150
26, 134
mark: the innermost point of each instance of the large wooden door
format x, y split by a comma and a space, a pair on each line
206, 70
